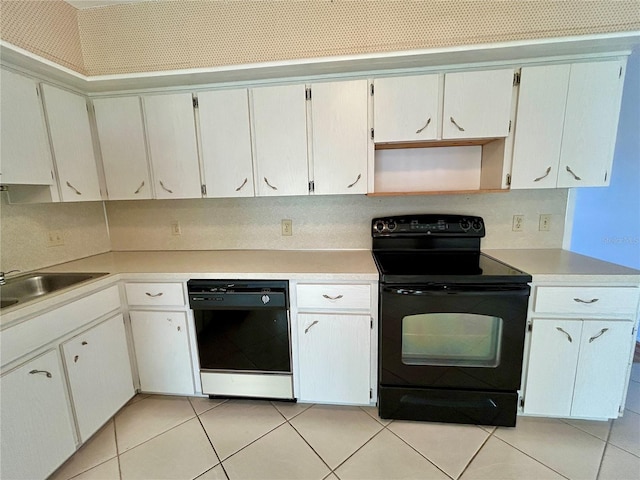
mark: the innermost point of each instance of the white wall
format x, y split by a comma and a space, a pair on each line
322, 222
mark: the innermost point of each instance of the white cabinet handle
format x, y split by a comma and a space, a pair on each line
579, 300
566, 333
425, 125
306, 330
153, 295
270, 186
543, 176
78, 192
139, 188
574, 175
357, 179
165, 188
454, 122
329, 297
599, 334
243, 184
44, 372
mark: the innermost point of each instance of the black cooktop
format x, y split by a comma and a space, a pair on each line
436, 249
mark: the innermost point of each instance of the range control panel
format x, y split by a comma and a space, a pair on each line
428, 224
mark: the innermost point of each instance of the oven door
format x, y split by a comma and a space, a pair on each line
452, 336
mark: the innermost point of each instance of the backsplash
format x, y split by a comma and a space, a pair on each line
322, 222
25, 229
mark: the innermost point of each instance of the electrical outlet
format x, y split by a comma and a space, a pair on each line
544, 224
55, 238
287, 228
175, 228
518, 223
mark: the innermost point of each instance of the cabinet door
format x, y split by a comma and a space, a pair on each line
340, 140
280, 139
334, 358
591, 124
72, 142
477, 104
538, 136
24, 145
605, 349
123, 147
36, 429
405, 109
226, 143
173, 149
553, 358
99, 372
162, 352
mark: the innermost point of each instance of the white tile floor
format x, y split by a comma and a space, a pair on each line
158, 437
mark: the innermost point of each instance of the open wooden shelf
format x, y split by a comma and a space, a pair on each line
435, 144
439, 192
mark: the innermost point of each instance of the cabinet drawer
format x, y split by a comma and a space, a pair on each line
154, 293
334, 297
581, 300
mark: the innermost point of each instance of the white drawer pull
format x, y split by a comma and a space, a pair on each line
579, 300
566, 333
306, 330
329, 297
599, 334
153, 295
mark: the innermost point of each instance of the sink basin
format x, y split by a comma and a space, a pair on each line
27, 287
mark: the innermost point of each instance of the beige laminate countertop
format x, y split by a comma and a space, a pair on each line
555, 265
227, 264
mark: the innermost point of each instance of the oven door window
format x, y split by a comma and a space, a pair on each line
451, 339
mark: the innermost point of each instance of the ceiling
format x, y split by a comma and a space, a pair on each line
82, 4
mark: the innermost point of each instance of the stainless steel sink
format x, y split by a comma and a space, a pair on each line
27, 287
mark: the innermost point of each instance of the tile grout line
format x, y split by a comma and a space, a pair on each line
533, 458
312, 449
415, 450
210, 442
604, 451
115, 435
357, 450
477, 452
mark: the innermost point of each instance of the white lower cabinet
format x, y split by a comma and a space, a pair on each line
99, 371
334, 358
577, 368
162, 350
37, 429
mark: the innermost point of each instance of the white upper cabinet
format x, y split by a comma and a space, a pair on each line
340, 139
171, 134
280, 140
477, 104
68, 120
123, 147
591, 123
25, 154
405, 109
539, 123
226, 143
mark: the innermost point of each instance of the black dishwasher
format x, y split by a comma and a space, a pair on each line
244, 337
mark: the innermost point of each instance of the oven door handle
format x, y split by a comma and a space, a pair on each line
431, 290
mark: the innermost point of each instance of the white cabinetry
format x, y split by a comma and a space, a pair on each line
37, 429
226, 143
161, 340
566, 124
25, 154
123, 146
580, 354
70, 131
340, 139
477, 104
171, 134
336, 354
99, 371
279, 117
162, 352
406, 109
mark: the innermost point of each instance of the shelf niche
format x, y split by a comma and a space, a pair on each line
468, 166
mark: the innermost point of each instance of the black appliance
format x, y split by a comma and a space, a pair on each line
451, 322
244, 337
